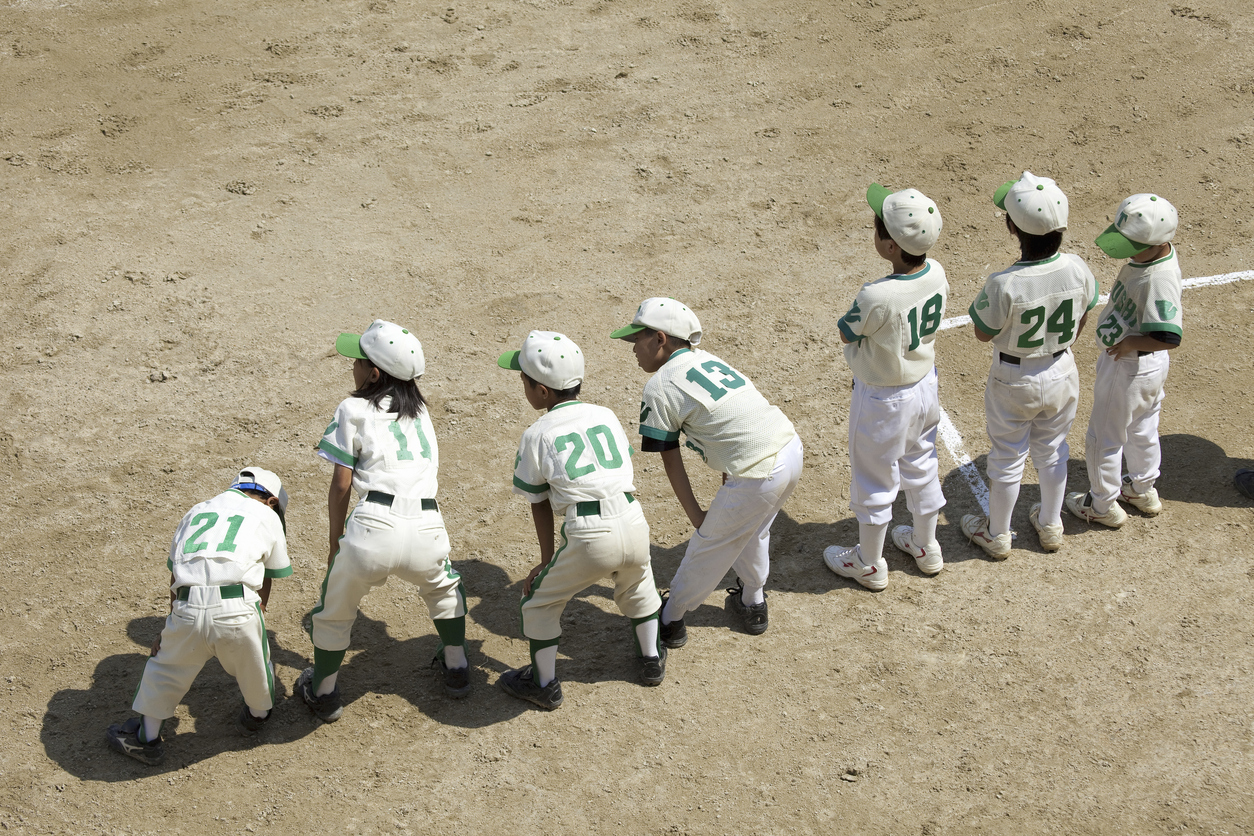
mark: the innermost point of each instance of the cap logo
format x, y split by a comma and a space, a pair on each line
1123, 219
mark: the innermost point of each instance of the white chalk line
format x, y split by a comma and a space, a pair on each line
952, 439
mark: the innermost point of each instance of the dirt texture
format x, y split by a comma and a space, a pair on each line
198, 196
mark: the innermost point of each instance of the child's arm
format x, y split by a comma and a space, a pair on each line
1140, 342
337, 505
264, 593
673, 461
542, 516
982, 335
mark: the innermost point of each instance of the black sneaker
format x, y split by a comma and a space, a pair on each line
673, 635
456, 680
753, 617
328, 707
124, 738
653, 668
521, 683
249, 725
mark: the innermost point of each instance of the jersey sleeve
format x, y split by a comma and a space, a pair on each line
179, 534
277, 563
1161, 310
341, 440
864, 317
988, 310
530, 480
659, 419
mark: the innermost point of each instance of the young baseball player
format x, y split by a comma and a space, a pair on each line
225, 553
737, 432
889, 336
1139, 326
383, 445
1032, 312
574, 463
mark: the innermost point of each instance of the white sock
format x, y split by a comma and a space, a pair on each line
646, 634
455, 657
260, 715
546, 665
925, 529
1053, 488
871, 541
752, 597
152, 729
1001, 504
662, 613
327, 685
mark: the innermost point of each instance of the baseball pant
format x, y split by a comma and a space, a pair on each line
198, 629
613, 543
736, 533
1127, 402
380, 541
892, 446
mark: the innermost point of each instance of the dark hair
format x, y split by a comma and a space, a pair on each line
407, 401
264, 496
670, 338
562, 394
1035, 247
908, 259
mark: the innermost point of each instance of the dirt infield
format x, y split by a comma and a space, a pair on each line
198, 196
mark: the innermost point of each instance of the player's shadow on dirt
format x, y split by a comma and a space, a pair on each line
1198, 471
73, 732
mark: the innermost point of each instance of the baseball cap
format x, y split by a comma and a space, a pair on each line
258, 479
1035, 204
911, 218
1143, 221
666, 315
547, 357
388, 346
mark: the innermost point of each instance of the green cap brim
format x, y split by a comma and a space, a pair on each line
1117, 245
627, 331
349, 345
875, 195
999, 196
509, 360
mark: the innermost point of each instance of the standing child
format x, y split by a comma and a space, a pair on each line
225, 553
1032, 312
1138, 327
383, 445
575, 463
889, 336
737, 432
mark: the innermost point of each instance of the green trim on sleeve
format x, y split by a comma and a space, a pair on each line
528, 487
336, 453
1097, 292
979, 323
660, 435
847, 331
285, 572
169, 564
1168, 327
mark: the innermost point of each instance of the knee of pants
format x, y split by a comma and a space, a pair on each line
331, 633
542, 622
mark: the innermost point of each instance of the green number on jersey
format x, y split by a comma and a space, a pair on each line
1110, 331
931, 320
399, 433
608, 456
209, 519
1036, 318
604, 447
228, 544
573, 470
1062, 323
644, 412
730, 379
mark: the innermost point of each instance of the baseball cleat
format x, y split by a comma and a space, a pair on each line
456, 680
124, 738
1051, 535
521, 683
753, 617
848, 563
1081, 505
652, 668
1147, 503
328, 707
976, 529
928, 560
249, 725
674, 634
1243, 481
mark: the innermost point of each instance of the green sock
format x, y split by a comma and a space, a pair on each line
452, 630
326, 662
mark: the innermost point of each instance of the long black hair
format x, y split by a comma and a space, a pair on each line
407, 401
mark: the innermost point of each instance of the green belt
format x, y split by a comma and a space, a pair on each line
592, 508
234, 590
387, 499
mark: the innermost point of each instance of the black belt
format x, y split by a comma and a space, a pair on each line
592, 508
1014, 361
387, 499
234, 590
1143, 353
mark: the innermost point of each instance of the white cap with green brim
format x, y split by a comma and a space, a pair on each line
389, 346
264, 481
911, 218
660, 313
1144, 221
1035, 204
547, 357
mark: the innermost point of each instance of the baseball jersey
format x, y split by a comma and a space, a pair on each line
1033, 308
575, 452
1145, 298
388, 454
728, 422
226, 540
892, 325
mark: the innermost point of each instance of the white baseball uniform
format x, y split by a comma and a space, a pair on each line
895, 409
396, 528
577, 457
1128, 393
223, 551
738, 432
1033, 309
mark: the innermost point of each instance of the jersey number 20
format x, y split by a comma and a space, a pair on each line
601, 440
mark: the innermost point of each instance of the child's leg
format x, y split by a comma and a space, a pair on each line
919, 468
567, 574
1108, 428
425, 564
635, 590
243, 649
1060, 394
1142, 451
168, 675
871, 541
1010, 402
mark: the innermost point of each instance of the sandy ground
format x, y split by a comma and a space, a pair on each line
198, 196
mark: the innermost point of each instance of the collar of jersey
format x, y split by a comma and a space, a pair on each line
677, 353
564, 403
906, 277
1167, 257
1053, 257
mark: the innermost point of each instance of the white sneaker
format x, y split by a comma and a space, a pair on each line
847, 562
1147, 503
1081, 505
976, 529
1051, 535
928, 560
